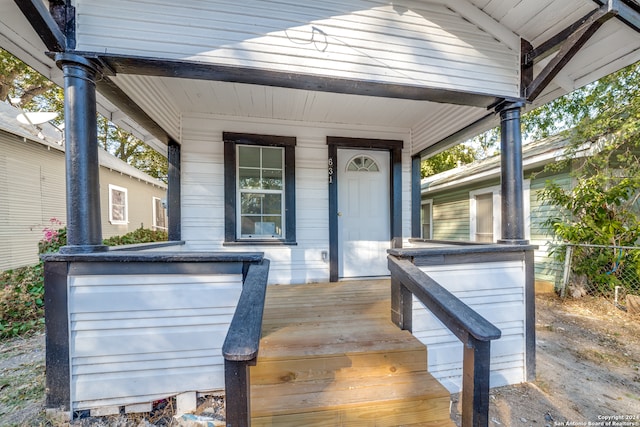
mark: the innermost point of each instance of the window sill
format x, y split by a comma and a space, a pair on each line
256, 242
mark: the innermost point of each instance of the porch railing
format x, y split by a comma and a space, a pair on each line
240, 348
155, 280
473, 330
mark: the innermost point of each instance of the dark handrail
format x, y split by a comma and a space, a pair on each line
471, 328
240, 348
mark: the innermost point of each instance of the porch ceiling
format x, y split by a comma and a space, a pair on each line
164, 99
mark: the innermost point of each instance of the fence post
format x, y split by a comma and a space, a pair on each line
567, 270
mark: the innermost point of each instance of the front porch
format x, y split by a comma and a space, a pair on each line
341, 353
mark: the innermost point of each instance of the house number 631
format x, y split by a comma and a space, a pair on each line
330, 170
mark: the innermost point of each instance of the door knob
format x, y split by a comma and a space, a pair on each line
339, 213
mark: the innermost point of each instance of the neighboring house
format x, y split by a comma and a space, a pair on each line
32, 190
294, 132
465, 203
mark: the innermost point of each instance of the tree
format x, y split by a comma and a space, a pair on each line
19, 81
567, 112
125, 146
449, 159
604, 159
36, 93
575, 108
604, 156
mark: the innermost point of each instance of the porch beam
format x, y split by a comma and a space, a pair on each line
628, 11
574, 42
42, 21
84, 226
174, 212
146, 66
553, 44
65, 16
511, 182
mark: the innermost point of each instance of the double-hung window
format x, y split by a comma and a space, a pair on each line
259, 188
159, 214
425, 217
485, 213
261, 191
118, 210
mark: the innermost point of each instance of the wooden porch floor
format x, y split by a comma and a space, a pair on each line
330, 356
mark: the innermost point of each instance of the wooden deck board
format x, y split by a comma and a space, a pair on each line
330, 356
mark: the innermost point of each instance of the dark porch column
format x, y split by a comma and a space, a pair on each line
511, 175
416, 197
173, 192
84, 227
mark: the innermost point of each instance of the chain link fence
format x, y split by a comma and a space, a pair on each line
610, 272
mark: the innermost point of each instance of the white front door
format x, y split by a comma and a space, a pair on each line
363, 213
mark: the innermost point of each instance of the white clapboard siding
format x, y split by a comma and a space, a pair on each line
412, 43
137, 338
496, 291
203, 189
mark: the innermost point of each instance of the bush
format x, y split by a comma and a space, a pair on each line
22, 289
21, 300
141, 235
55, 236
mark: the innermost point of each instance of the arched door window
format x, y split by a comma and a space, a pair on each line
362, 163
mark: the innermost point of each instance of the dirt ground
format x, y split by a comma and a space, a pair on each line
588, 373
587, 369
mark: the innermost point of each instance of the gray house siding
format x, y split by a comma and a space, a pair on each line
140, 196
32, 193
546, 268
451, 216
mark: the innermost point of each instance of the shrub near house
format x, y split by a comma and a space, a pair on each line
22, 289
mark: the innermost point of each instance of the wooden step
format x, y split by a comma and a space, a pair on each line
338, 366
329, 356
386, 400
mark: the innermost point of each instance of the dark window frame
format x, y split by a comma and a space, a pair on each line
231, 141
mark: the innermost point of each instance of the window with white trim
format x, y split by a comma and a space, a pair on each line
426, 213
118, 209
159, 214
259, 188
484, 217
485, 213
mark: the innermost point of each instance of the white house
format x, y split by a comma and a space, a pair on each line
294, 132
